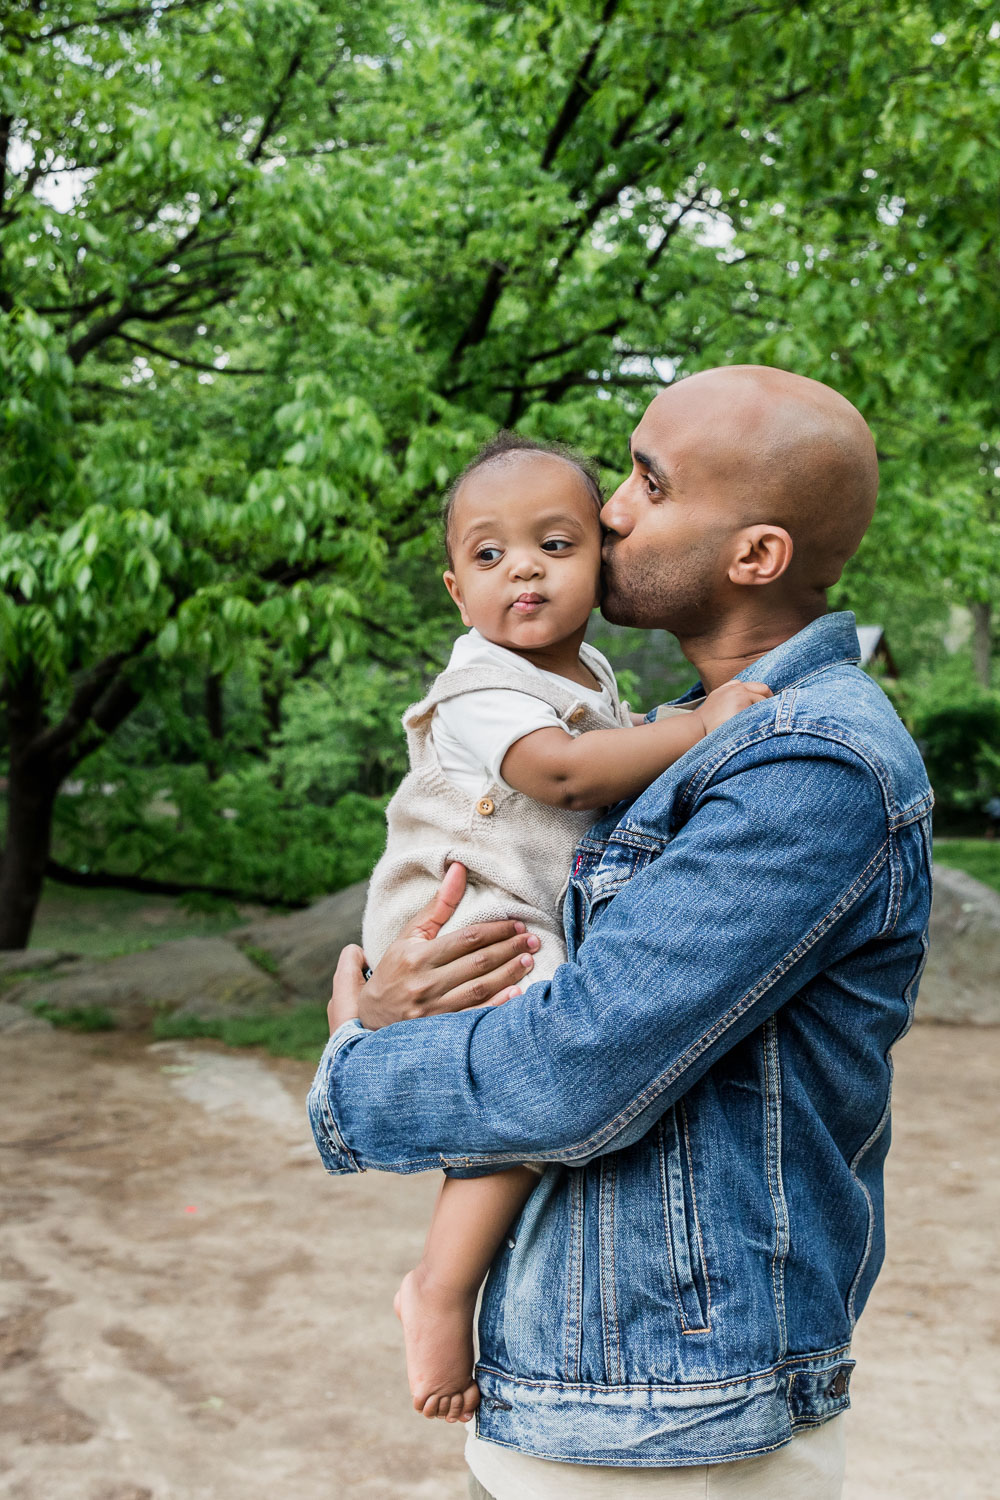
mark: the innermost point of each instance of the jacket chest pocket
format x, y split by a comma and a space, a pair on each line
682, 1227
625, 855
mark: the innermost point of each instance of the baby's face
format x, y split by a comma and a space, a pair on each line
526, 551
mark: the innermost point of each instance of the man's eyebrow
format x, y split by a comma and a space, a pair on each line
662, 478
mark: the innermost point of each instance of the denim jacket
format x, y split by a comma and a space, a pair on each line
709, 1077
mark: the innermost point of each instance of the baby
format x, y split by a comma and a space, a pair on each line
514, 750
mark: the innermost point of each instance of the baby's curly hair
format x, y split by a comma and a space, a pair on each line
501, 449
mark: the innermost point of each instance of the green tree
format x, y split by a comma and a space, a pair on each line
886, 281
271, 268
178, 492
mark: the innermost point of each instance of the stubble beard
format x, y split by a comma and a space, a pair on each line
660, 593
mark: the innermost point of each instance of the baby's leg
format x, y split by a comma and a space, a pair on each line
437, 1301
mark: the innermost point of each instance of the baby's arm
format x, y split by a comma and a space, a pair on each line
604, 765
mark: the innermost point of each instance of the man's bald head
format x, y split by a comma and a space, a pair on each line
750, 488
785, 450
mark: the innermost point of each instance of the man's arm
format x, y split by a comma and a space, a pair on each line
692, 954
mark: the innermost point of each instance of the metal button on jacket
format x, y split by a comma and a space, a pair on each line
485, 806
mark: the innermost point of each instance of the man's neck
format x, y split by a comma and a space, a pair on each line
720, 654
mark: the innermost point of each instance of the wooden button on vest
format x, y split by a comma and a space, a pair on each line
577, 715
485, 806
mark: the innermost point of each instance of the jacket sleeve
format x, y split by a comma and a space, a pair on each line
782, 868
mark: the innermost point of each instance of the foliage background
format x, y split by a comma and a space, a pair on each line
271, 269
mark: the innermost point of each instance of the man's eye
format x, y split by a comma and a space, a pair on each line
653, 487
487, 554
555, 544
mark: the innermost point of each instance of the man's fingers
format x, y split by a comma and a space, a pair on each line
485, 990
350, 965
348, 984
500, 999
485, 967
482, 944
429, 921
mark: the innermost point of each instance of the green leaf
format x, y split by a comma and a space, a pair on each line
168, 639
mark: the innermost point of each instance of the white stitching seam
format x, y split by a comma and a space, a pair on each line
772, 1089
795, 1362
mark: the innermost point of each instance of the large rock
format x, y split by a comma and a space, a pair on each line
23, 960
305, 944
15, 1020
205, 977
962, 980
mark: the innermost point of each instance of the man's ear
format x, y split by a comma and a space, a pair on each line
451, 584
763, 554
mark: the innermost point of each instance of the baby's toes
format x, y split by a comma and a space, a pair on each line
428, 1408
452, 1410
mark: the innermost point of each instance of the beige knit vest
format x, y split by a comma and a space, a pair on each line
517, 851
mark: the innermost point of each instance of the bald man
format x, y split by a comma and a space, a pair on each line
707, 1078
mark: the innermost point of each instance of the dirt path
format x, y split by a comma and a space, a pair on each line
192, 1311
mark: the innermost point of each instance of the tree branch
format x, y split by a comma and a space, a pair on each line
191, 364
579, 91
89, 690
108, 327
132, 13
478, 326
294, 64
132, 308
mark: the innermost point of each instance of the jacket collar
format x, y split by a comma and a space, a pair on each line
826, 642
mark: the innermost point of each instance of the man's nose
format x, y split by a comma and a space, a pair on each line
615, 514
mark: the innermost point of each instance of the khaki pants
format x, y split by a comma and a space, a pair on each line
811, 1465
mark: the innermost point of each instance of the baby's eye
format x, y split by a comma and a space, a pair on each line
555, 544
487, 554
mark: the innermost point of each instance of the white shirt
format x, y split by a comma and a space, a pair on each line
472, 733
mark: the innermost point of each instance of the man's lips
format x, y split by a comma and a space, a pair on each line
526, 604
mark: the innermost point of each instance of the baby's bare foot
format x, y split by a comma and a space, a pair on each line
437, 1330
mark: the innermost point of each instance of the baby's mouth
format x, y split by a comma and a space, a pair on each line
526, 604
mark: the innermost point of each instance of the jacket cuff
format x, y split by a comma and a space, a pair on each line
335, 1154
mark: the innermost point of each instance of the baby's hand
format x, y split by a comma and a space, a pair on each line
730, 699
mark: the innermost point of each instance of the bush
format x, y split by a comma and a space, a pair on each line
284, 815
956, 724
76, 1017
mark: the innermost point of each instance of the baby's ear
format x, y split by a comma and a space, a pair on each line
451, 584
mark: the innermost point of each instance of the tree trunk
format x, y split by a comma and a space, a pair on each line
41, 756
31, 796
982, 647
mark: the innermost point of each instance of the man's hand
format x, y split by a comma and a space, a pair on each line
423, 974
